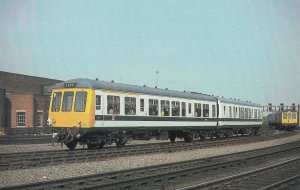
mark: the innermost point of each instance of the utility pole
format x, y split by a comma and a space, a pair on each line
156, 78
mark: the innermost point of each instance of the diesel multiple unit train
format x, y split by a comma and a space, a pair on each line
96, 113
284, 120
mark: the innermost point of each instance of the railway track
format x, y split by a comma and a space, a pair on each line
26, 160
7, 140
168, 176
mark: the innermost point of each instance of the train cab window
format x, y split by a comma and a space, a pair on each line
190, 108
165, 107
294, 116
80, 101
142, 104
130, 106
113, 104
183, 108
175, 108
289, 115
56, 101
153, 107
205, 110
197, 110
213, 111
98, 102
67, 101
284, 115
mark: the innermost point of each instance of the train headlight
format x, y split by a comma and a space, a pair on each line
78, 121
50, 122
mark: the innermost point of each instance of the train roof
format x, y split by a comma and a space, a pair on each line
95, 84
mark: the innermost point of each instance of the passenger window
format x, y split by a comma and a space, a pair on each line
205, 110
56, 101
294, 116
130, 106
67, 101
153, 107
213, 111
142, 105
165, 108
113, 104
80, 101
175, 108
190, 108
98, 102
197, 109
183, 108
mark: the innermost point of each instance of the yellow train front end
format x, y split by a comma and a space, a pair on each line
71, 112
289, 120
72, 107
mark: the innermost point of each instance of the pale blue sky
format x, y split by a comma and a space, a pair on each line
241, 49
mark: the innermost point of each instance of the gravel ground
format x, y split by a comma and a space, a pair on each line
78, 169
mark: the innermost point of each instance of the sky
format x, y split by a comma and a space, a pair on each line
248, 50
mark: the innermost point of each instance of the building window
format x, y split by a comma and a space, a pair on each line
190, 108
153, 107
142, 104
130, 106
68, 101
98, 102
113, 104
183, 108
205, 110
213, 111
21, 118
165, 108
197, 109
224, 111
56, 101
39, 118
80, 101
175, 108
230, 114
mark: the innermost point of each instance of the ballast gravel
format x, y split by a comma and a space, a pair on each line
14, 177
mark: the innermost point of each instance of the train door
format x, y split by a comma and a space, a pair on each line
99, 106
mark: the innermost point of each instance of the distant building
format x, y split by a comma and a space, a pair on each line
24, 100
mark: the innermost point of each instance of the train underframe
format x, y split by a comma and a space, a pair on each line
96, 139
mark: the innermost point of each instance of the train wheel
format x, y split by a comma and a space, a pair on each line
188, 137
172, 139
121, 142
71, 144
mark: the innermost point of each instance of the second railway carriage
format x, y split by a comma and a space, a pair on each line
97, 112
285, 120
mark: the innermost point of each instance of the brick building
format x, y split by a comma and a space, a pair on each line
24, 100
